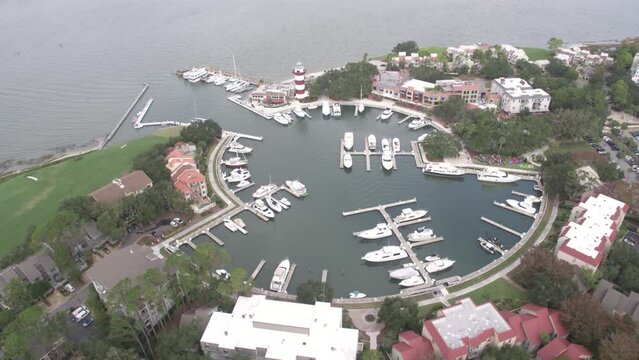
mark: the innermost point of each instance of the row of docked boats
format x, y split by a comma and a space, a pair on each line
486, 175
285, 118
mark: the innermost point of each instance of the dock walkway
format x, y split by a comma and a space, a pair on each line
289, 276
124, 116
507, 207
503, 227
258, 268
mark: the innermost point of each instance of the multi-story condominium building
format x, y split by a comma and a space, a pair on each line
517, 95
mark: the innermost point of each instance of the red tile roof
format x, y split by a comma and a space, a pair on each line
413, 346
583, 257
553, 349
555, 318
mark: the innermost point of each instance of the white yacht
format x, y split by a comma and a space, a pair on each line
280, 119
297, 187
380, 231
236, 147
348, 140
273, 204
195, 74
299, 112
360, 107
385, 144
356, 295
525, 206
412, 281
409, 214
219, 80
488, 247
386, 114
387, 253
348, 161
432, 257
423, 137
372, 142
337, 110
326, 108
397, 147
404, 273
417, 124
387, 160
264, 190
422, 233
235, 162
442, 169
279, 276
233, 83
496, 176
261, 208
230, 225
312, 107
439, 265
288, 117
243, 184
238, 175
285, 201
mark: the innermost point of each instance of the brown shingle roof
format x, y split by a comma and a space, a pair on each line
129, 184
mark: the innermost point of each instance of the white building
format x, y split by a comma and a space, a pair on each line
575, 55
517, 95
634, 69
514, 54
269, 329
461, 50
591, 231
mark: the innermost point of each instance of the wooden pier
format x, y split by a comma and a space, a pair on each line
405, 119
324, 276
379, 207
497, 248
237, 99
126, 114
522, 194
289, 276
505, 206
258, 269
426, 242
215, 238
502, 227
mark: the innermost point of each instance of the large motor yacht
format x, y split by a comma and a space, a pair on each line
496, 176
279, 276
387, 253
381, 230
439, 265
442, 169
409, 214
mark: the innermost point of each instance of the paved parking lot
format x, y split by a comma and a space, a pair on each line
629, 175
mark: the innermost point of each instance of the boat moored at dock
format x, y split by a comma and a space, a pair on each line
336, 110
356, 295
409, 214
264, 190
432, 257
273, 204
417, 124
439, 265
386, 114
238, 148
387, 160
261, 208
396, 145
524, 205
387, 253
442, 169
235, 162
422, 233
496, 176
195, 74
299, 112
372, 142
326, 108
380, 231
404, 273
488, 247
348, 161
280, 119
279, 276
348, 140
296, 187
412, 281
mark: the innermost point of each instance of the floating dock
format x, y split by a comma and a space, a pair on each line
237, 99
324, 276
289, 276
507, 207
502, 227
258, 268
522, 194
413, 222
379, 207
215, 238
126, 114
417, 154
405, 119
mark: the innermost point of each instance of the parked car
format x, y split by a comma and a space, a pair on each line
600, 150
69, 288
80, 313
87, 321
614, 147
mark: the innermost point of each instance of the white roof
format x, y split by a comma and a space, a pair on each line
517, 87
285, 329
467, 320
419, 84
596, 222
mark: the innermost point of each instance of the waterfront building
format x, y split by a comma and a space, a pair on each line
591, 230
37, 267
634, 69
388, 83
513, 54
575, 55
412, 346
465, 50
614, 301
272, 95
412, 59
428, 94
186, 178
517, 95
131, 184
299, 71
413, 90
260, 328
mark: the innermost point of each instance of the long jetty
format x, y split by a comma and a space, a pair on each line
258, 268
503, 227
507, 207
128, 111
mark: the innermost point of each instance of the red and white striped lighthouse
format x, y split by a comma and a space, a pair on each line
300, 87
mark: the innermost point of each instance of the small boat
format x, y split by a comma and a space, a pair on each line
235, 162
356, 295
372, 142
538, 188
219, 80
404, 273
297, 187
223, 274
239, 222
494, 240
525, 206
288, 117
439, 265
386, 114
348, 161
242, 184
409, 214
496, 176
273, 204
32, 178
387, 253
238, 176
279, 276
195, 74
140, 115
280, 119
396, 145
348, 140
337, 110
261, 208
442, 169
299, 112
230, 225
432, 257
238, 148
360, 107
233, 83
417, 124
326, 108
422, 233
488, 247
209, 79
312, 107
385, 144
423, 137
285, 201
380, 231
387, 160
412, 281
264, 190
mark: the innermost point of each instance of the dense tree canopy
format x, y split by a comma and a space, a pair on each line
427, 73
619, 346
399, 315
406, 46
180, 344
16, 294
451, 110
622, 267
312, 291
345, 83
440, 145
505, 352
496, 65
206, 132
559, 174
548, 279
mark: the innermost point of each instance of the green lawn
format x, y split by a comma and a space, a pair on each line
26, 202
498, 291
535, 54
573, 147
441, 50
